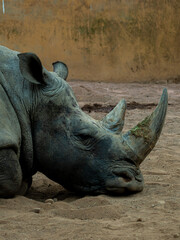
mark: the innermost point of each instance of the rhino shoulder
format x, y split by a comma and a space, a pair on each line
10, 132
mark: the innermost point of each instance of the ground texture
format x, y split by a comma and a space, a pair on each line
151, 214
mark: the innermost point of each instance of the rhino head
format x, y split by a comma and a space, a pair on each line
77, 151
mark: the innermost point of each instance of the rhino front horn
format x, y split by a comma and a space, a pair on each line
142, 138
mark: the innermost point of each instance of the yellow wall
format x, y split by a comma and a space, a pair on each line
100, 40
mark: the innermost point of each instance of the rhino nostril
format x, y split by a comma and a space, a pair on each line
127, 177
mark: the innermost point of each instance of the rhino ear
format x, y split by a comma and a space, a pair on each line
31, 68
61, 69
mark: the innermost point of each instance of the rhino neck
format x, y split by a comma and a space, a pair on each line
26, 148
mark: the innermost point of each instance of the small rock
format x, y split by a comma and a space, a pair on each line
48, 203
55, 199
51, 201
152, 205
139, 220
36, 210
176, 235
161, 202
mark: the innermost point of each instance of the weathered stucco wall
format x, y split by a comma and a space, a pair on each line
102, 40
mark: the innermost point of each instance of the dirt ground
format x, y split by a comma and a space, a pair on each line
151, 214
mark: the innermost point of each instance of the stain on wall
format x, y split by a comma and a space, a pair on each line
102, 40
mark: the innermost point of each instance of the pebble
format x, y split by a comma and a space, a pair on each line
176, 235
36, 210
51, 201
139, 220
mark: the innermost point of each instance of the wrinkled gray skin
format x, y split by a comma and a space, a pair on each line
43, 129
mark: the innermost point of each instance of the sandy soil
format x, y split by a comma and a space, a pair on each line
151, 214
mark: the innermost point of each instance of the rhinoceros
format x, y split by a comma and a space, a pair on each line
42, 128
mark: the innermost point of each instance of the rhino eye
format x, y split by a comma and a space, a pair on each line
85, 138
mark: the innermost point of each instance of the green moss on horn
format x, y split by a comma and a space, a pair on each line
142, 129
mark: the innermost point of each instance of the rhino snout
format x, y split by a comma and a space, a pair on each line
125, 181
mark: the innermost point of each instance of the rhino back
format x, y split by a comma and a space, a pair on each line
9, 66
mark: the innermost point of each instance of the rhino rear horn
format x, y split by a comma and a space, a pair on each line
61, 69
114, 121
142, 138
